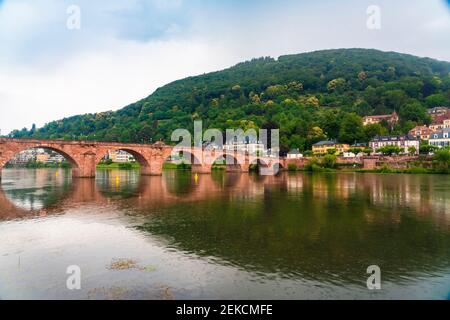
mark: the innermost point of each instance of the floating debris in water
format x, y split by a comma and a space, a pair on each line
123, 264
150, 268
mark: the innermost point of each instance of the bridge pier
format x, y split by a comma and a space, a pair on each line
86, 166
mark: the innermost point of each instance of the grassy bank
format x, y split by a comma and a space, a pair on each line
39, 165
174, 166
121, 166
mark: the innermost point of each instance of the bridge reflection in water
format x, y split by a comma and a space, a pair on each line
317, 231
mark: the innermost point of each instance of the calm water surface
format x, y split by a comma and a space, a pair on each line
223, 236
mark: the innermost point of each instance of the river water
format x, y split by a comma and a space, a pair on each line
223, 236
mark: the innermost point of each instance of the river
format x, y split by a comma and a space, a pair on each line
223, 236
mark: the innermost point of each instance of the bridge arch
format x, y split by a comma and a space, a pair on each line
189, 157
232, 162
138, 156
7, 156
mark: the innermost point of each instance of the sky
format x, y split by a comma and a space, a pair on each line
123, 50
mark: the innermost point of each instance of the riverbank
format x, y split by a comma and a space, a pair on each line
412, 170
122, 166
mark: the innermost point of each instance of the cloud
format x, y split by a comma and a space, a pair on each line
126, 49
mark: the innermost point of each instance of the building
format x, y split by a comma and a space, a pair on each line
421, 132
322, 147
438, 111
120, 156
42, 157
294, 154
436, 126
24, 157
251, 147
389, 118
360, 146
440, 138
56, 158
404, 142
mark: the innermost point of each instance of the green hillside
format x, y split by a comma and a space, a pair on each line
308, 96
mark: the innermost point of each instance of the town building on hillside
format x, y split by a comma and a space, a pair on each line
440, 138
322, 147
436, 126
359, 145
56, 158
24, 157
404, 142
389, 118
421, 132
42, 157
438, 111
294, 154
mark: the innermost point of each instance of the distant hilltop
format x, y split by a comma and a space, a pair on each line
309, 97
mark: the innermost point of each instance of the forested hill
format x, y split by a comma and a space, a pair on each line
309, 96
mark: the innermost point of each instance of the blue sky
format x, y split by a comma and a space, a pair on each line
126, 49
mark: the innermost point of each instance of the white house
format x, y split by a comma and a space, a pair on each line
294, 154
404, 142
440, 138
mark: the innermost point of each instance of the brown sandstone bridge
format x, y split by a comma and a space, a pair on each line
85, 155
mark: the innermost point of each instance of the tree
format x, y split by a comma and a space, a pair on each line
414, 111
331, 151
329, 161
316, 133
390, 150
427, 148
394, 99
336, 85
442, 157
351, 128
368, 151
436, 100
372, 130
412, 150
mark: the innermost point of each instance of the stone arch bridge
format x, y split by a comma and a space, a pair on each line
85, 155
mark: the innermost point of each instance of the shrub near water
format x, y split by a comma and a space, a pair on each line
326, 163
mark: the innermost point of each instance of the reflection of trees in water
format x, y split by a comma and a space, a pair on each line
38, 188
179, 182
322, 230
225, 180
118, 183
37, 198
